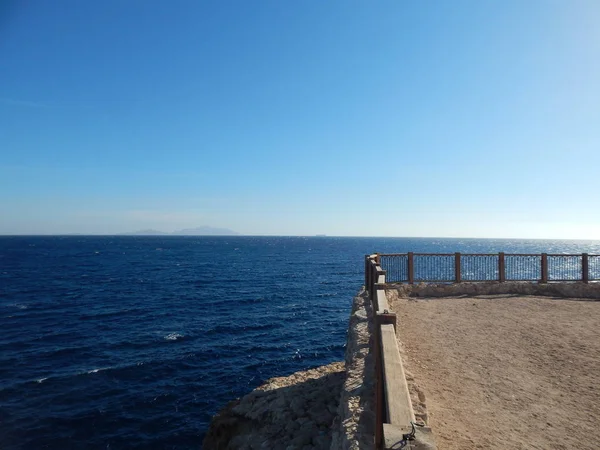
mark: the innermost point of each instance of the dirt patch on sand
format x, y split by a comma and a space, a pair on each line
503, 371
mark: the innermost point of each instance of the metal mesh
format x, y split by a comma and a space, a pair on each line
434, 267
396, 267
479, 267
564, 267
523, 267
594, 267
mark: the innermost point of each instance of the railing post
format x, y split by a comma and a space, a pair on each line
585, 272
501, 268
372, 282
411, 268
544, 268
366, 271
457, 267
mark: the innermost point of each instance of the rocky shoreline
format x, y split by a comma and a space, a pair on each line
329, 407
295, 412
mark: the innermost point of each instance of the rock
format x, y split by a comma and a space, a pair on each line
301, 421
354, 424
323, 442
328, 407
292, 427
276, 415
301, 440
324, 418
297, 406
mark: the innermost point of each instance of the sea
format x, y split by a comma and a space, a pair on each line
135, 342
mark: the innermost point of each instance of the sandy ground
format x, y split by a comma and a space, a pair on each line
500, 372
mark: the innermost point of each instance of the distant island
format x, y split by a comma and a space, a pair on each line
199, 231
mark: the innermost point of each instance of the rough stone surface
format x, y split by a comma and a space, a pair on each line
567, 290
327, 407
284, 413
354, 426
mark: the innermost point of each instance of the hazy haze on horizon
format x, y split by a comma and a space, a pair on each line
459, 119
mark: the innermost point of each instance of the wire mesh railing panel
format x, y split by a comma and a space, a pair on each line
523, 267
395, 266
594, 267
434, 267
479, 267
441, 267
564, 267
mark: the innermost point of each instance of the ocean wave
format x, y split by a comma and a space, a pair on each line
235, 329
106, 314
17, 305
327, 294
174, 337
100, 369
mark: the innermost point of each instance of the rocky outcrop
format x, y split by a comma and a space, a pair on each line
355, 425
327, 407
286, 413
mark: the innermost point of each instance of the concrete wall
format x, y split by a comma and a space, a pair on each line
572, 290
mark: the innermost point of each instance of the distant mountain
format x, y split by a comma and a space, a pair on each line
205, 231
199, 231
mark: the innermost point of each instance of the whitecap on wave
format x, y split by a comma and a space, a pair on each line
98, 370
18, 305
173, 336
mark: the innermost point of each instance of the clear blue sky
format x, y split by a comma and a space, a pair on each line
400, 118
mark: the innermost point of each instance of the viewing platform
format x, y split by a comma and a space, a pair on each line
448, 351
508, 360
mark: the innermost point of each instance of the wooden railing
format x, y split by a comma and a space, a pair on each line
394, 414
456, 267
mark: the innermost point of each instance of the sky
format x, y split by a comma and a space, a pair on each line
345, 118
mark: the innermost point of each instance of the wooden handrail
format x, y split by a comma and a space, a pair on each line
392, 399
393, 405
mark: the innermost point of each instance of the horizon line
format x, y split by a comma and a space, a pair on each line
127, 235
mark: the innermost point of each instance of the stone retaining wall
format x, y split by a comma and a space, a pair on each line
354, 427
572, 290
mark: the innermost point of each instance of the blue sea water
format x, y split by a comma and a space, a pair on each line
135, 342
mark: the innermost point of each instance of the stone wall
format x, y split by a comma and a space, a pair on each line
354, 427
572, 290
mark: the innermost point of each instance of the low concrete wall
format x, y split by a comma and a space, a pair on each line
572, 290
395, 424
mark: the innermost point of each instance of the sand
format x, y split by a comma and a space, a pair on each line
504, 372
